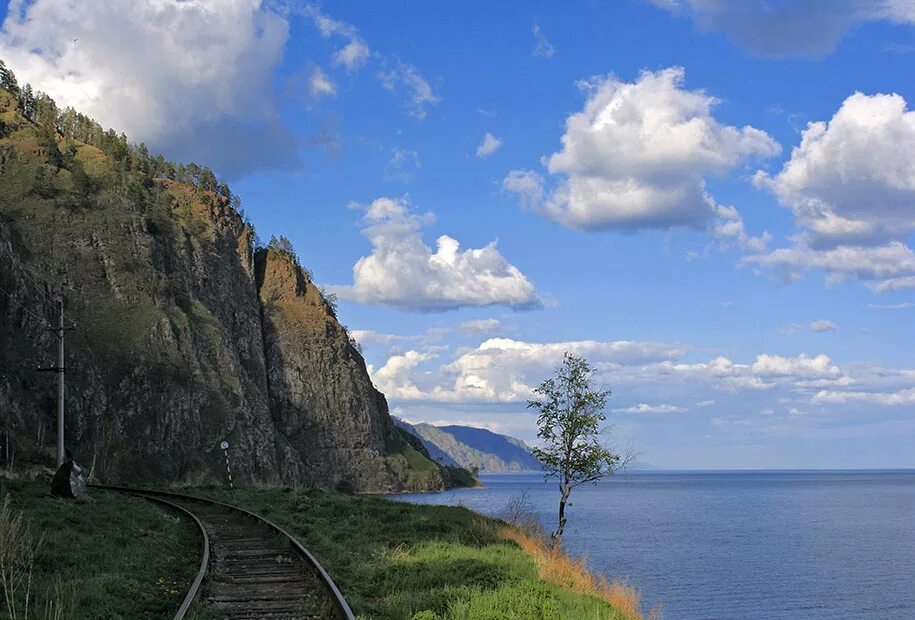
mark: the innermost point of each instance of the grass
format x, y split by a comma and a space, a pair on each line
118, 557
108, 558
394, 560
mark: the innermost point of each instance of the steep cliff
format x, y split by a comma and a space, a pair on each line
185, 334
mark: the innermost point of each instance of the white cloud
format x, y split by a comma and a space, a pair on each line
489, 145
796, 28
897, 398
319, 85
192, 79
801, 366
395, 375
542, 47
481, 326
823, 325
503, 370
899, 306
851, 187
895, 284
403, 271
405, 77
393, 74
646, 408
352, 55
427, 338
637, 157
527, 184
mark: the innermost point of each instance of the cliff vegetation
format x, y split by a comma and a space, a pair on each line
188, 331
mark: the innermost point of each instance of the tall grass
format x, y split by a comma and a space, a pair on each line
18, 552
557, 567
108, 557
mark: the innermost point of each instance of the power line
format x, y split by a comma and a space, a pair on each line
47, 296
24, 309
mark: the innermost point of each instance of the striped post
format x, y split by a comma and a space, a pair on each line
225, 450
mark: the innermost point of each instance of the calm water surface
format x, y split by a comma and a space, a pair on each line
737, 545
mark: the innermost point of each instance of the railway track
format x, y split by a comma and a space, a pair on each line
251, 569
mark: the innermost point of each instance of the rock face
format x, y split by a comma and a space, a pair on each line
185, 335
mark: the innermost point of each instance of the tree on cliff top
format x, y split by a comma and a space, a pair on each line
571, 411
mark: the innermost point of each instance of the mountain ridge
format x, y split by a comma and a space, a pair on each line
473, 448
189, 331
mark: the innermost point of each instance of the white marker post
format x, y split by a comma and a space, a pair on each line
225, 448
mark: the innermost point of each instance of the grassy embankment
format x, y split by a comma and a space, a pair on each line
111, 557
396, 560
119, 557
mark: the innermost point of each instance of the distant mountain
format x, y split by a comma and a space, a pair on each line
469, 447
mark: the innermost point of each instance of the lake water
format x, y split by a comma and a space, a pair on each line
737, 545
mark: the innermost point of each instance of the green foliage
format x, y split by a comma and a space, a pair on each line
570, 411
132, 162
394, 560
281, 244
111, 557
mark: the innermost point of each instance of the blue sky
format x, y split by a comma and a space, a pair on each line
691, 194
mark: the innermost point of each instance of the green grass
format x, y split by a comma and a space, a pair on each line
394, 560
114, 557
124, 558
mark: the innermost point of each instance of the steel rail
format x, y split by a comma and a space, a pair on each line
194, 592
155, 495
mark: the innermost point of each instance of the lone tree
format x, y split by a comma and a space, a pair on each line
571, 411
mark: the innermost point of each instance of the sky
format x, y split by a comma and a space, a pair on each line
712, 202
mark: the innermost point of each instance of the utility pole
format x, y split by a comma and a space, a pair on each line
60, 385
60, 330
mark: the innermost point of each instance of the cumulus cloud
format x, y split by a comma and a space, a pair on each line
637, 157
542, 47
504, 370
851, 187
489, 145
768, 393
396, 375
170, 74
403, 271
796, 28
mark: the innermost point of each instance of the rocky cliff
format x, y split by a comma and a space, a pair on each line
185, 335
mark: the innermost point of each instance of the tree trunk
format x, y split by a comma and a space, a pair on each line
556, 537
